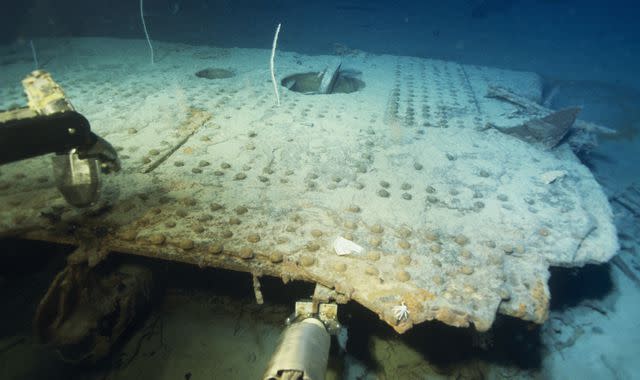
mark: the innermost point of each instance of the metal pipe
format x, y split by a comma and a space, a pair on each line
303, 352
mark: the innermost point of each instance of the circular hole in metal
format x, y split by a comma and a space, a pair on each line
215, 73
309, 83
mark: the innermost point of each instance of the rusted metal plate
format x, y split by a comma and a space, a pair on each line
457, 222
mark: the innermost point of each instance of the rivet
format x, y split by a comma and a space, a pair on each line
508, 249
156, 239
404, 244
403, 276
204, 218
128, 235
404, 260
245, 253
461, 239
466, 270
307, 261
276, 257
376, 229
215, 248
185, 244
431, 236
340, 267
372, 271
403, 232
353, 208
373, 255
350, 225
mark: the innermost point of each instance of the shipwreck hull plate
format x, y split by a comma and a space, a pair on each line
456, 221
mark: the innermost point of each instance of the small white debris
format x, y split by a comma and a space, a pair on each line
551, 176
344, 246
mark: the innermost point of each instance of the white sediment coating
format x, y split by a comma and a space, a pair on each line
455, 219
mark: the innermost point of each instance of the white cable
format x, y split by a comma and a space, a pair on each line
35, 56
273, 70
144, 26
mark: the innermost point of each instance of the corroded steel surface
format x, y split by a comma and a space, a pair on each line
457, 222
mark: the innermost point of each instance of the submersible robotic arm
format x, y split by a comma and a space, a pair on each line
303, 351
50, 124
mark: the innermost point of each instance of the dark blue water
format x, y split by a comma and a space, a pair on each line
569, 39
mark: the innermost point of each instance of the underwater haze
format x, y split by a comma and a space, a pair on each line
581, 40
462, 177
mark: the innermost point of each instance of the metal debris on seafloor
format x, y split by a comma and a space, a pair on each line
629, 199
464, 228
549, 127
86, 310
547, 131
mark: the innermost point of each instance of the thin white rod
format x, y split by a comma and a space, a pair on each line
144, 26
273, 68
35, 56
